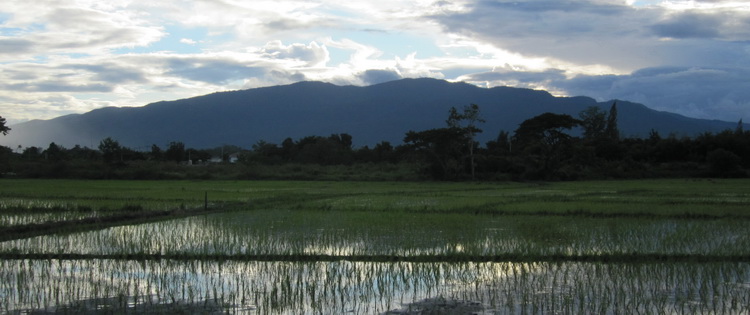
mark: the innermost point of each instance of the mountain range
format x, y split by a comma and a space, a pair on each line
370, 114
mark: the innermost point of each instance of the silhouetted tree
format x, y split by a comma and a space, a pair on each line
288, 149
501, 145
156, 153
740, 128
343, 139
466, 122
3, 128
6, 154
384, 152
440, 148
723, 162
600, 133
611, 131
336, 149
265, 152
198, 155
544, 142
593, 121
83, 153
111, 150
31, 153
175, 151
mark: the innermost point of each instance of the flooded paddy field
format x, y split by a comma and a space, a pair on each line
266, 287
664, 247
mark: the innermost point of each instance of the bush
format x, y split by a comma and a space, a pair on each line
724, 163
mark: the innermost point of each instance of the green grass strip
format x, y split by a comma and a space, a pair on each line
96, 223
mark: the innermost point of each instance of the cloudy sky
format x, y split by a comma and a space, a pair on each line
64, 56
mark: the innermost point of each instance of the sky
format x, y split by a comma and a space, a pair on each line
59, 57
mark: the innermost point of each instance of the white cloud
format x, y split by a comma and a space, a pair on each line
312, 54
64, 28
188, 41
71, 56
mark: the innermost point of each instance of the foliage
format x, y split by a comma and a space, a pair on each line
545, 147
175, 152
545, 143
723, 162
110, 150
466, 122
3, 128
440, 150
593, 121
444, 151
611, 131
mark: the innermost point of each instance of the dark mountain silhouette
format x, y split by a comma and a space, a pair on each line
382, 112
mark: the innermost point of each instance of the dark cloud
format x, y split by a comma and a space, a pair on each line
583, 32
222, 71
12, 46
709, 93
538, 19
543, 7
111, 73
285, 76
712, 93
48, 86
284, 24
375, 76
521, 77
595, 32
76, 30
312, 54
214, 71
375, 31
695, 25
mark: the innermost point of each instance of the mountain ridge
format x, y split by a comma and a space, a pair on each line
381, 112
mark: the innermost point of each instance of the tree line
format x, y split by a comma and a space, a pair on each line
545, 147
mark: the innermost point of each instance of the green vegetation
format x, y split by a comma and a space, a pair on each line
649, 246
548, 147
119, 286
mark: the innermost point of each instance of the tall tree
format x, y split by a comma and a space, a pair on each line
3, 128
740, 128
111, 150
55, 153
175, 151
600, 132
593, 121
445, 149
156, 153
501, 145
441, 148
612, 131
467, 122
544, 141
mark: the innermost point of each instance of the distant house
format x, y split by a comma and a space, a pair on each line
232, 158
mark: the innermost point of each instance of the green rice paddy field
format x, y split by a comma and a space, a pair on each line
277, 247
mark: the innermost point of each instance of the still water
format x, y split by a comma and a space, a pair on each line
254, 287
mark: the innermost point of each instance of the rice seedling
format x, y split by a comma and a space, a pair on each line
666, 246
345, 287
401, 234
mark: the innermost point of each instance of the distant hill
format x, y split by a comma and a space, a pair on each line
382, 112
